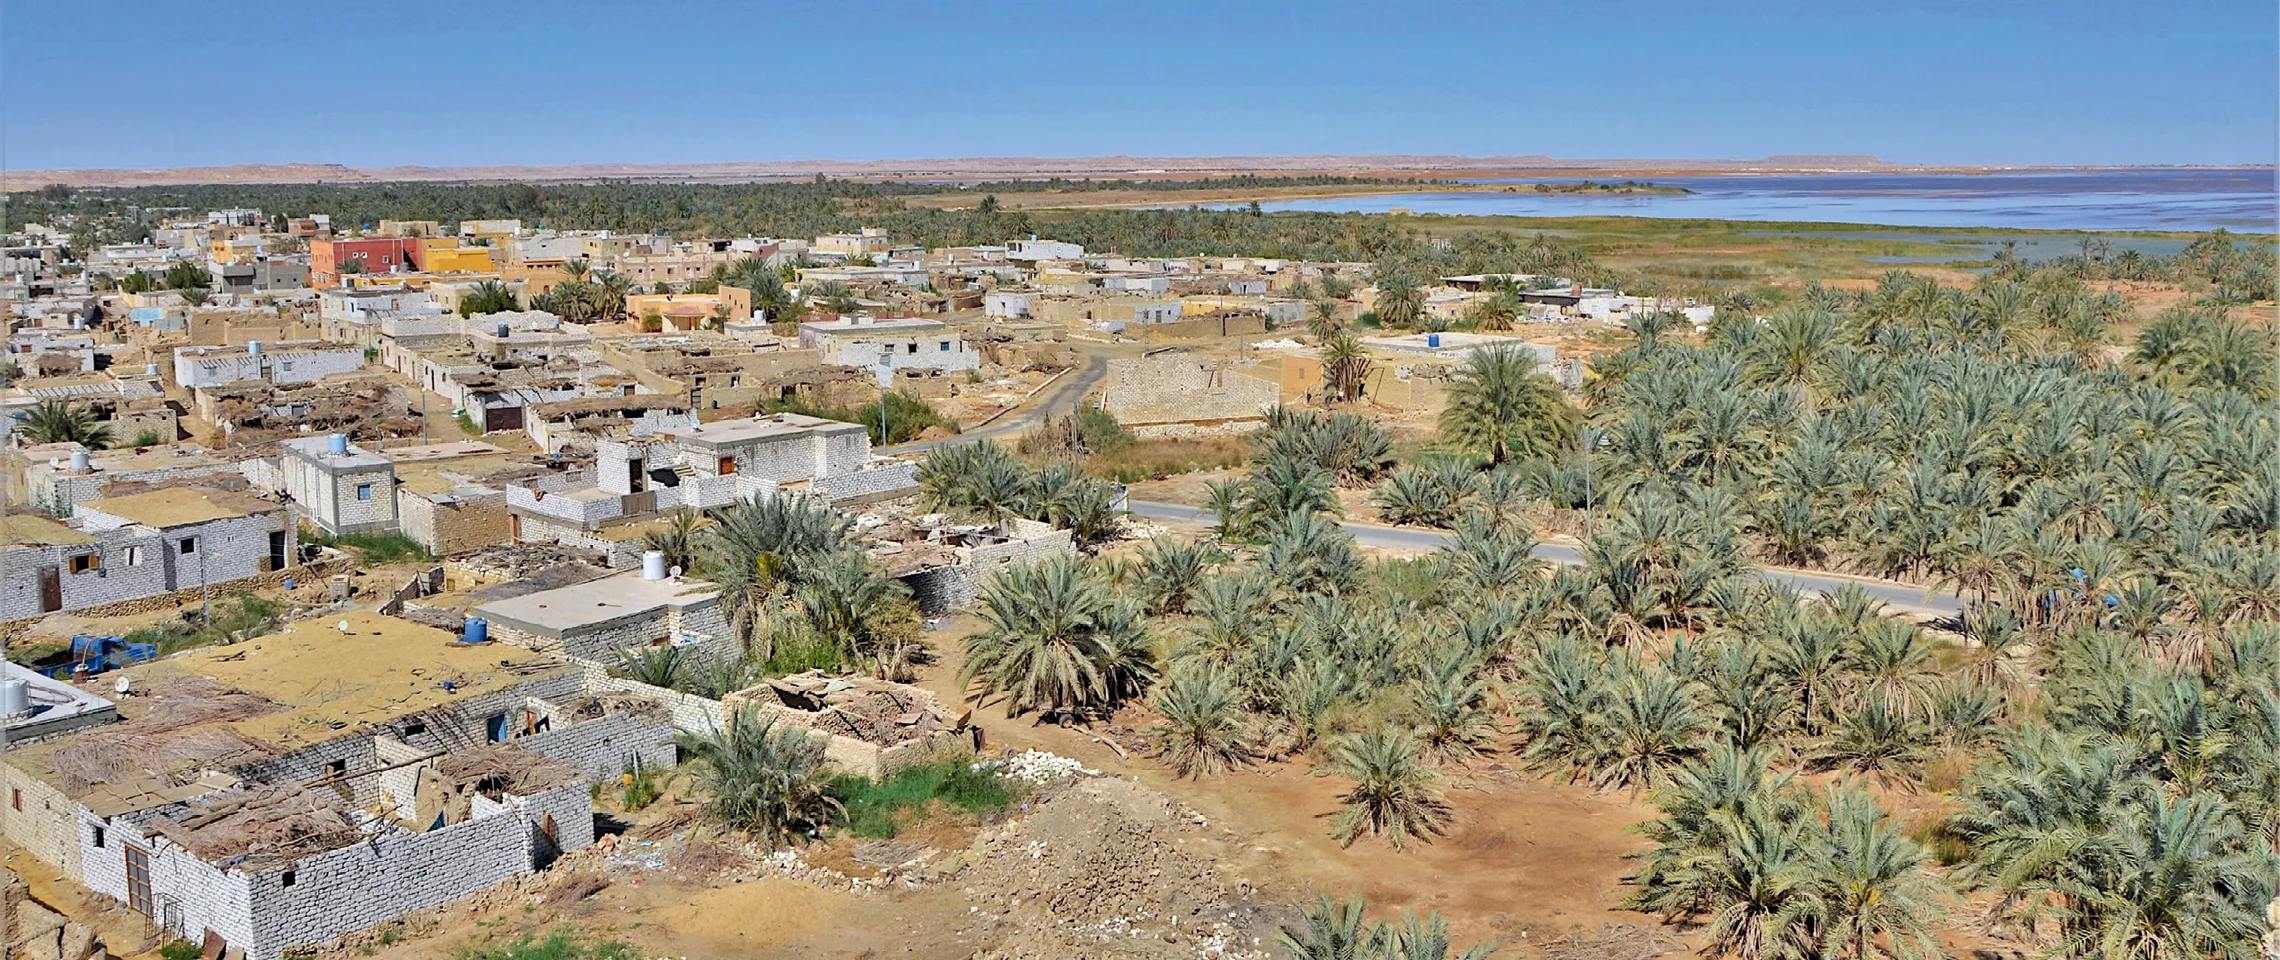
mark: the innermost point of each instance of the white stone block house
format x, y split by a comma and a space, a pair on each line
596, 620
259, 824
704, 466
905, 343
341, 487
284, 364
126, 548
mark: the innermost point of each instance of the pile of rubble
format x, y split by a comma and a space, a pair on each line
1110, 868
31, 931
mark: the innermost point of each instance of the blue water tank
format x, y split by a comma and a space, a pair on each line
478, 631
1433, 341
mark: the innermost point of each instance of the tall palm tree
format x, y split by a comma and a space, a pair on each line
847, 600
754, 550
57, 421
1501, 403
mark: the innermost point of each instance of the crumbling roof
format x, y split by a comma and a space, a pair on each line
263, 826
874, 711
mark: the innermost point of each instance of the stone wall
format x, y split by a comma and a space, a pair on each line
1178, 387
690, 713
465, 525
36, 816
883, 480
606, 746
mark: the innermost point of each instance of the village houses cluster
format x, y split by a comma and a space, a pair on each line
247, 389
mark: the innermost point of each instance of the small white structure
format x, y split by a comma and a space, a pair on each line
1033, 250
903, 344
343, 487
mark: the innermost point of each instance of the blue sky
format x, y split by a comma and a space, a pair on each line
93, 83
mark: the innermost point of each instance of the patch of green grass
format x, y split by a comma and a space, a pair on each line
558, 945
373, 548
1147, 459
467, 424
179, 950
31, 653
874, 809
234, 618
796, 651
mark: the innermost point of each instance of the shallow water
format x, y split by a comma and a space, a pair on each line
2240, 200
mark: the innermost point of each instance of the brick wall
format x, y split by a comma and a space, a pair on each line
1179, 387
467, 524
36, 816
606, 746
690, 713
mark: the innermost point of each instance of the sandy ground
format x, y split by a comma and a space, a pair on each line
1523, 854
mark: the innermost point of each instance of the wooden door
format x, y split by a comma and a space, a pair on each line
51, 589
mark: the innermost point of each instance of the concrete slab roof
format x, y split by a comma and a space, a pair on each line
180, 506
755, 428
27, 530
552, 612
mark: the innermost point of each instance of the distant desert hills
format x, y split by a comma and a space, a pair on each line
1000, 168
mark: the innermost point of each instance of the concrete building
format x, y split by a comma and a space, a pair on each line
906, 343
327, 785
284, 364
1033, 250
703, 466
141, 545
341, 487
946, 566
599, 619
54, 479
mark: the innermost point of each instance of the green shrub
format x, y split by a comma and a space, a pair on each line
179, 950
380, 548
558, 945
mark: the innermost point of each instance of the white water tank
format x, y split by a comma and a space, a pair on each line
15, 697
79, 462
253, 348
653, 565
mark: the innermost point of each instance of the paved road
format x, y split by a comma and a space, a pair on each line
1057, 397
1399, 538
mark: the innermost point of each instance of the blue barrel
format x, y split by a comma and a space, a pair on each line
1433, 341
478, 631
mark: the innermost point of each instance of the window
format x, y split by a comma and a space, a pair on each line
189, 545
414, 728
336, 768
98, 837
727, 466
735, 380
363, 491
134, 556
16, 798
86, 563
286, 879
913, 347
945, 346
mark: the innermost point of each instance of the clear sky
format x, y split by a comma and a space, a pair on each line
96, 83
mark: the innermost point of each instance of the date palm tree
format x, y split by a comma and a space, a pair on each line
1204, 727
1057, 638
759, 778
57, 421
1501, 403
1395, 794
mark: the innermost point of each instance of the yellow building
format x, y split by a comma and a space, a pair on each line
447, 256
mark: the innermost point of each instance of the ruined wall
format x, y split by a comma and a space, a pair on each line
447, 529
1179, 387
690, 713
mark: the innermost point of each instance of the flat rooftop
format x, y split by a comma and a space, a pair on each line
29, 530
180, 506
319, 449
887, 325
440, 451
756, 428
1438, 343
551, 612
328, 681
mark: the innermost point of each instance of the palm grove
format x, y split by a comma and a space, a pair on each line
2100, 729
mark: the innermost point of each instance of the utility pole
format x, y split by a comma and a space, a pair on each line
1586, 444
205, 601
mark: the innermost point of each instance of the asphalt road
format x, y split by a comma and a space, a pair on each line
1058, 397
1398, 538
